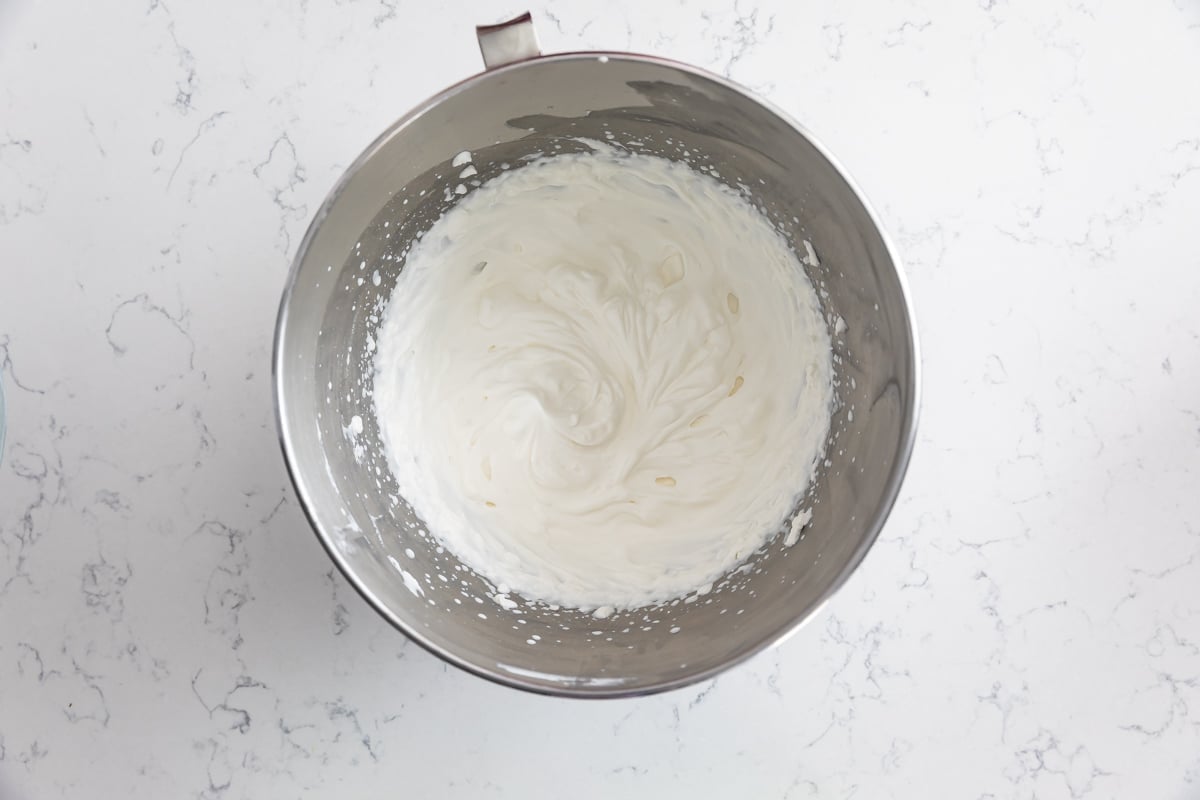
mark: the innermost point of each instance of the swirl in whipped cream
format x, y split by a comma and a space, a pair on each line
603, 380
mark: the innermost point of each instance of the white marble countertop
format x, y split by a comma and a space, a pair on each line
1027, 626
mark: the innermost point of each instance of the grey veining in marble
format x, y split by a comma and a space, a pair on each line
1028, 625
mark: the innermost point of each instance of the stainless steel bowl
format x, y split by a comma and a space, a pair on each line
525, 105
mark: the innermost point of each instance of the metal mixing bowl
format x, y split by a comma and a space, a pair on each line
347, 266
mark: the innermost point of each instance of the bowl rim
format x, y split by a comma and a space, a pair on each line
891, 489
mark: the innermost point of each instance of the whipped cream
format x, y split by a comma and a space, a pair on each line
603, 380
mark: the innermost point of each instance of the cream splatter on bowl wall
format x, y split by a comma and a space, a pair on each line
347, 267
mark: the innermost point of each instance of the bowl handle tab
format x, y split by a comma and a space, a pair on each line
508, 42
